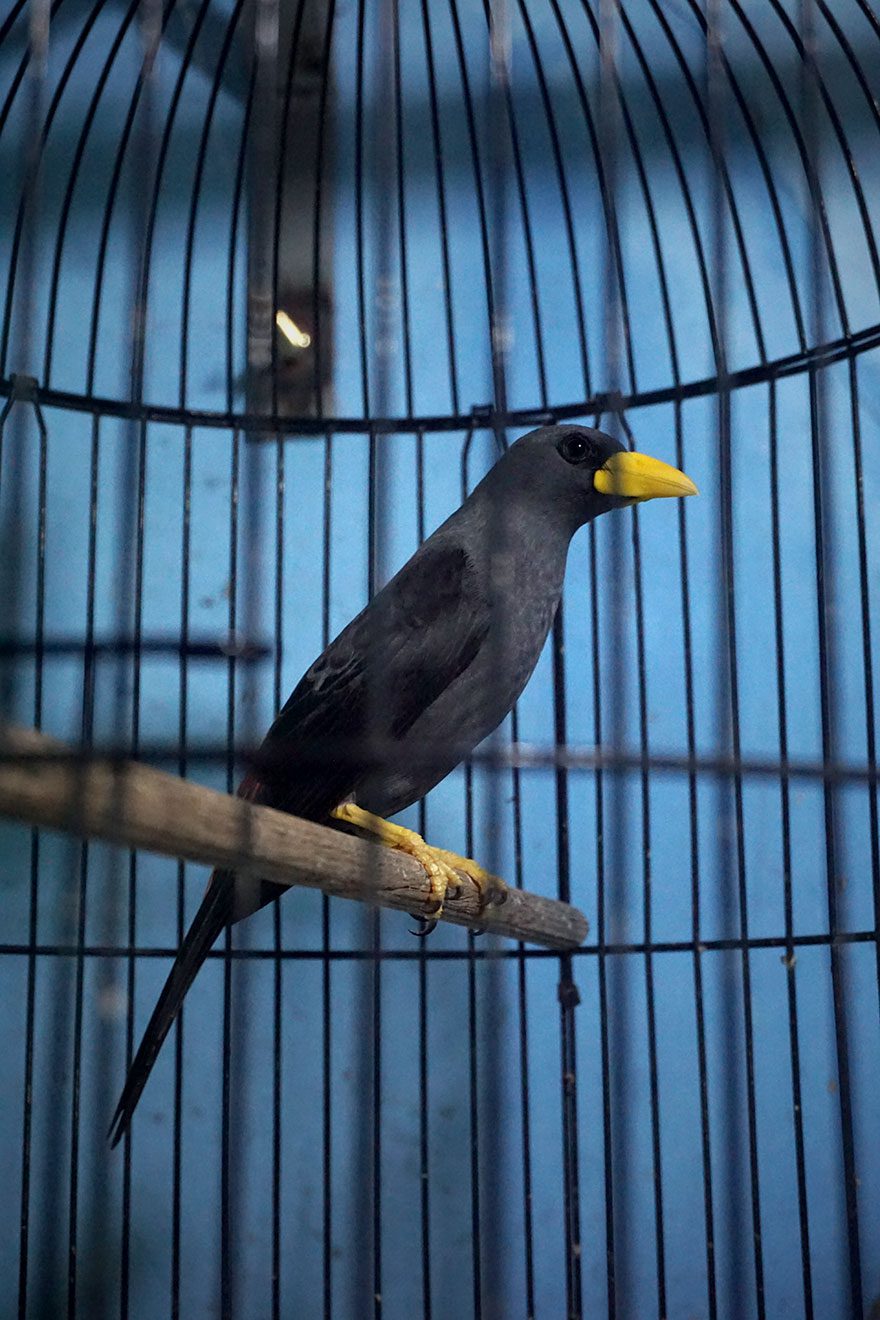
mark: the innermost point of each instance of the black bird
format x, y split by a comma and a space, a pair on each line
430, 667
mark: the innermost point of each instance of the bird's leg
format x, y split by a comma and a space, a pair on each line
440, 873
442, 866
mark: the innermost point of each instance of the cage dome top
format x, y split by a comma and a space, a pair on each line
309, 215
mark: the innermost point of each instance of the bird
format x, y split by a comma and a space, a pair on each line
430, 667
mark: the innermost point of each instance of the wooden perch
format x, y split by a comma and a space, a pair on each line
137, 806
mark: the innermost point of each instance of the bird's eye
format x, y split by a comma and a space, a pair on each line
576, 448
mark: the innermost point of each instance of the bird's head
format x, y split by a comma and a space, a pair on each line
587, 472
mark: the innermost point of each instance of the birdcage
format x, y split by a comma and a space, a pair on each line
280, 281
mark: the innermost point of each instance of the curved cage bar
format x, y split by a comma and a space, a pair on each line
350, 165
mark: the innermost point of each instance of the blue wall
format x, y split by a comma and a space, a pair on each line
188, 492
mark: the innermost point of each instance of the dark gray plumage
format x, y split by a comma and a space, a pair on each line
436, 660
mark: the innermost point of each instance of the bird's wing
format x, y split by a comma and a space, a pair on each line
374, 681
376, 678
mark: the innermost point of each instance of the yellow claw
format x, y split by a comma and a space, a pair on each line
492, 888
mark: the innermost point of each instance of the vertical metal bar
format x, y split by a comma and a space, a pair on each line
232, 367
731, 824
838, 970
363, 332
569, 998
785, 812
500, 55
695, 866
76, 1066
364, 1268
277, 982
525, 1104
262, 182
473, 1079
647, 898
440, 184
424, 1098
424, 1160
608, 1166
326, 980
201, 157
424, 1125
493, 1265
826, 607
375, 928
400, 165
261, 165
231, 669
281, 188
501, 160
130, 527
516, 162
127, 524
253, 503
617, 971
479, 187
182, 729
855, 413
30, 1016
321, 170
226, 1145
867, 647
452, 373
232, 692
231, 28
383, 134
473, 1052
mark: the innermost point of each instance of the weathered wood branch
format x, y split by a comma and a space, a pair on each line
136, 806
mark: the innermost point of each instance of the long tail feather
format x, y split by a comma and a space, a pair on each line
214, 913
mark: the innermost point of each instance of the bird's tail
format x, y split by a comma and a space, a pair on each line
215, 912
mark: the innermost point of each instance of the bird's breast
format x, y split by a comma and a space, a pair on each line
481, 697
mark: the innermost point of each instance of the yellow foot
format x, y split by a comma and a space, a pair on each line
441, 866
492, 889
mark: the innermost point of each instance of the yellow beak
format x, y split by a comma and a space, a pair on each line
633, 476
